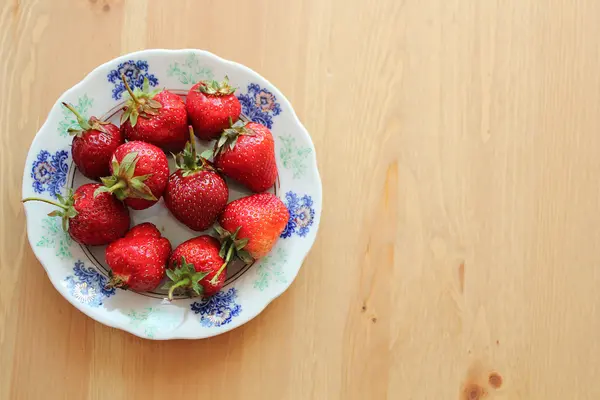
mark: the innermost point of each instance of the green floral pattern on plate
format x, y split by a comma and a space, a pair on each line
154, 319
84, 103
294, 157
271, 269
190, 72
55, 238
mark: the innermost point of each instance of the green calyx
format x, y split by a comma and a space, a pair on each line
184, 276
216, 88
231, 247
141, 103
65, 204
115, 282
92, 124
123, 183
188, 161
230, 136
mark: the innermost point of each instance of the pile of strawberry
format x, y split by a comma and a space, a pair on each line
131, 164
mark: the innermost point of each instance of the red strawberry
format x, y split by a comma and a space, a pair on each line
138, 260
210, 106
90, 220
246, 153
93, 144
259, 219
196, 194
139, 174
156, 117
197, 264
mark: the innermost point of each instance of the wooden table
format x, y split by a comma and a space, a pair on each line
459, 250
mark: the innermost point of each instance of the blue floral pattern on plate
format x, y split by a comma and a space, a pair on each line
135, 72
88, 286
217, 310
49, 172
260, 105
302, 215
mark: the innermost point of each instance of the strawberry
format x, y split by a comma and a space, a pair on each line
197, 265
196, 194
139, 174
259, 219
156, 117
93, 144
246, 153
210, 106
138, 260
90, 220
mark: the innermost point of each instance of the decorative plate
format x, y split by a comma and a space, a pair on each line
79, 273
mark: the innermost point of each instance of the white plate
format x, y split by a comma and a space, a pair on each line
79, 272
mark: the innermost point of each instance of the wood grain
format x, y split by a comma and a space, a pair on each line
459, 250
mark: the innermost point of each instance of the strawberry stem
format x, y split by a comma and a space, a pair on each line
121, 184
133, 97
214, 279
183, 282
45, 201
80, 120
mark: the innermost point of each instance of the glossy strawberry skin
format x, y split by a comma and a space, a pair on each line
262, 217
138, 260
93, 150
167, 130
151, 160
197, 199
252, 161
203, 253
209, 114
100, 220
146, 229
